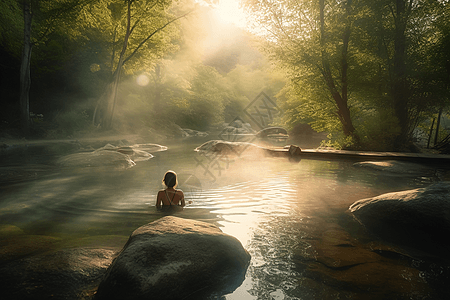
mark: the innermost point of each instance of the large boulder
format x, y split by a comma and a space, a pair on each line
174, 258
244, 149
220, 147
419, 217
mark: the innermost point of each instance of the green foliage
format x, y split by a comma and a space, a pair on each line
104, 24
76, 45
205, 102
339, 141
295, 41
378, 130
214, 98
11, 26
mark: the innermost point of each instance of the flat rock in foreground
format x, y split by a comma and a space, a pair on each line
175, 258
65, 274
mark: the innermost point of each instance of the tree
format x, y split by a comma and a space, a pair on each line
25, 78
40, 19
137, 28
11, 30
406, 33
312, 36
366, 54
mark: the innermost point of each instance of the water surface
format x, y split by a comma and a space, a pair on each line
278, 209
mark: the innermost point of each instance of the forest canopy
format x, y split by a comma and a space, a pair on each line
376, 70
373, 74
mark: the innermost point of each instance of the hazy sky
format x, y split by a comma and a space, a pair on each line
228, 11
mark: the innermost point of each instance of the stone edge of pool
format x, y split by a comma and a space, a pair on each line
369, 155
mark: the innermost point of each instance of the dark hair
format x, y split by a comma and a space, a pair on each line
170, 179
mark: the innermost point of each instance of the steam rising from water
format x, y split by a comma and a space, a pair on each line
272, 206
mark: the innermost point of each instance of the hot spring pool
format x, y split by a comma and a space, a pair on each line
285, 214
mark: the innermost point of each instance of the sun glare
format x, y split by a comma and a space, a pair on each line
228, 12
142, 80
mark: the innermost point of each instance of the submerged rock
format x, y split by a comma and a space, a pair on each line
174, 258
357, 270
395, 167
111, 156
419, 217
22, 245
16, 244
103, 158
149, 148
139, 152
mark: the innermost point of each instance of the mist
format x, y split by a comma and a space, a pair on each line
208, 71
251, 105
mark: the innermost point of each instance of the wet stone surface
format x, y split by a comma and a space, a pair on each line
360, 270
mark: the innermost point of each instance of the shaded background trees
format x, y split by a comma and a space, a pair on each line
77, 67
369, 55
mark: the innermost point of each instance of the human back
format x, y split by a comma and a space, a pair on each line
170, 196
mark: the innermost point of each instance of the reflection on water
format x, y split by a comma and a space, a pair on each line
277, 209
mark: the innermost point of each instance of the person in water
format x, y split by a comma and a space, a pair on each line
170, 197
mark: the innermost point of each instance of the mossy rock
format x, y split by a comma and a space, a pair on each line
7, 230
22, 245
64, 274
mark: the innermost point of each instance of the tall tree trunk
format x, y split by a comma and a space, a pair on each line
341, 99
438, 123
105, 115
113, 88
25, 78
380, 48
431, 133
157, 99
399, 85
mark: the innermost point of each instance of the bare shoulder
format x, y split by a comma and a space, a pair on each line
179, 192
